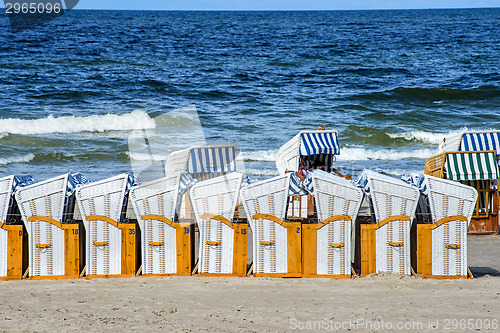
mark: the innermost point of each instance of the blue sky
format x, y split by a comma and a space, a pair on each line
281, 4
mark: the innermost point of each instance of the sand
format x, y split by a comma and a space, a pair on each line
378, 303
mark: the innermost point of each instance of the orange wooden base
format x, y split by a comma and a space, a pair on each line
17, 254
309, 250
277, 274
328, 276
240, 246
184, 248
130, 258
73, 251
368, 252
484, 226
424, 253
294, 247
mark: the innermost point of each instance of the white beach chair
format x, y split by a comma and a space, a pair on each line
12, 236
110, 244
276, 243
223, 244
327, 245
202, 163
385, 246
307, 148
167, 246
442, 245
54, 246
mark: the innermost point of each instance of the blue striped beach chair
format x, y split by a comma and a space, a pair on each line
202, 163
306, 150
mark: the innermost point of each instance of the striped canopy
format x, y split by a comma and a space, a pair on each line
471, 166
319, 142
481, 141
212, 159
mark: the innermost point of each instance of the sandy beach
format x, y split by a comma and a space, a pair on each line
377, 303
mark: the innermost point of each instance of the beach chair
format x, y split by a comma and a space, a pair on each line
13, 238
202, 163
305, 150
327, 245
167, 246
277, 244
55, 240
223, 243
471, 158
112, 245
442, 244
385, 245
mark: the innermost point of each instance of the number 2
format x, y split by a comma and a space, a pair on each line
298, 230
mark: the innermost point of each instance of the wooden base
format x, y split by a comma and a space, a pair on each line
443, 277
484, 226
368, 252
424, 252
166, 274
310, 245
53, 277
219, 275
277, 274
17, 251
110, 276
327, 276
185, 248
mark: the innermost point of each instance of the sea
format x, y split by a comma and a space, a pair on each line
107, 92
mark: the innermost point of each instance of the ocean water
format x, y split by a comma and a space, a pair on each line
393, 83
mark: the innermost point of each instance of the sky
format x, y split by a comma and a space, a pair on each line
281, 4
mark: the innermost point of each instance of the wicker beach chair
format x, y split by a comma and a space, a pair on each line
110, 243
202, 163
442, 245
47, 209
327, 246
276, 243
307, 148
385, 245
13, 261
223, 243
167, 246
471, 158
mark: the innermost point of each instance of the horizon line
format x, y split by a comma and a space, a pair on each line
281, 10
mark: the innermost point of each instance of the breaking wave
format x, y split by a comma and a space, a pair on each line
137, 119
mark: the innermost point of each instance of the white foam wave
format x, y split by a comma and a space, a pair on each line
3, 135
17, 159
400, 172
147, 157
363, 154
434, 138
262, 172
138, 119
260, 156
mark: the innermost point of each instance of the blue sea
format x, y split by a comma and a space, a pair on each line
81, 92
